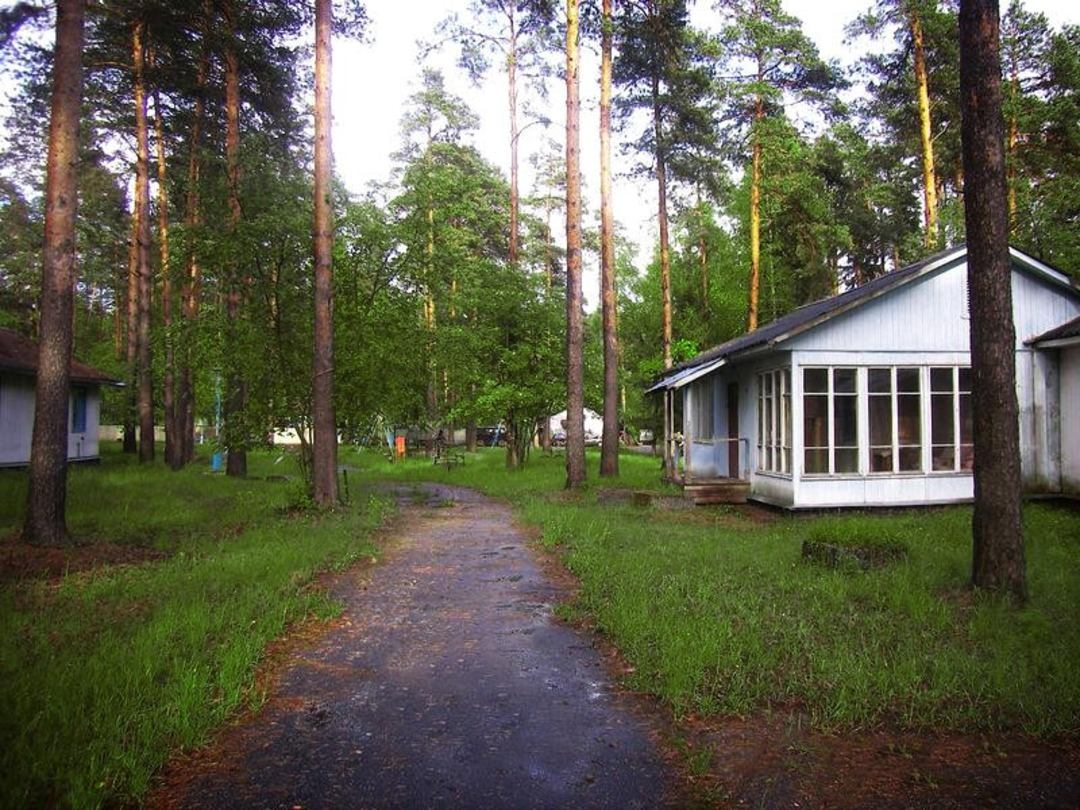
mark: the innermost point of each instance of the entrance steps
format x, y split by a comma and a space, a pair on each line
711, 491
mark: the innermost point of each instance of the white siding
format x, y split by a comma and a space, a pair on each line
1039, 306
1070, 420
16, 418
17, 422
924, 315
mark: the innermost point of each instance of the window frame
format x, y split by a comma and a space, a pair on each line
79, 406
895, 446
774, 435
831, 448
962, 462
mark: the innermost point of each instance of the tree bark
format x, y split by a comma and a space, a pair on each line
131, 346
609, 444
511, 77
191, 293
755, 212
575, 386
235, 432
997, 530
922, 89
662, 219
47, 492
324, 460
144, 373
168, 400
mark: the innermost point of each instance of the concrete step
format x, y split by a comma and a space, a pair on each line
706, 493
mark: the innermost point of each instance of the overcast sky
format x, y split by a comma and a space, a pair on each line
373, 81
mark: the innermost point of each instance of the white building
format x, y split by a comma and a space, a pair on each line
18, 367
864, 399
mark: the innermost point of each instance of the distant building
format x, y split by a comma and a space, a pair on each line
18, 369
864, 399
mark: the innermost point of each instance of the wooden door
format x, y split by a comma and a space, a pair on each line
733, 429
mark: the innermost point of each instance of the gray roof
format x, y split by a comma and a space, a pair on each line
1069, 329
19, 354
810, 315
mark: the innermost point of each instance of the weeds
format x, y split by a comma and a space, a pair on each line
107, 672
721, 616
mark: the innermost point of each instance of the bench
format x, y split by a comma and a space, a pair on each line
450, 460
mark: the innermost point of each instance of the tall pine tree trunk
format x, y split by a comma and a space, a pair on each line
168, 400
575, 385
191, 292
662, 219
512, 100
922, 90
236, 396
47, 485
144, 374
609, 444
324, 460
755, 213
131, 345
998, 539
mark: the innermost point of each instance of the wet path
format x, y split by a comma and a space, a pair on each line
447, 685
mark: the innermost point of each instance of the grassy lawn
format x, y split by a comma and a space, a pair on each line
720, 614
107, 672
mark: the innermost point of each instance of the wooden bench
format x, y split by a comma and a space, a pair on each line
451, 460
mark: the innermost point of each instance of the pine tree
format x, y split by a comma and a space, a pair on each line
47, 491
997, 525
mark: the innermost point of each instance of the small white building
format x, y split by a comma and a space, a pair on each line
864, 399
18, 367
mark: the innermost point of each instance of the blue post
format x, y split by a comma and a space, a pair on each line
215, 459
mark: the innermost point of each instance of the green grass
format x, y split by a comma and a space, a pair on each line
106, 673
721, 616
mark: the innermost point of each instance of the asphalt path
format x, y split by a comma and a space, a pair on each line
447, 683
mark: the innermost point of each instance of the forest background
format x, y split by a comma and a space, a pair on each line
449, 307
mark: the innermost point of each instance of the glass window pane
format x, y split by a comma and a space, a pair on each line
941, 379
908, 418
815, 421
907, 379
881, 459
941, 419
880, 420
845, 433
844, 380
944, 457
847, 460
965, 379
965, 419
880, 380
816, 380
967, 457
817, 461
910, 459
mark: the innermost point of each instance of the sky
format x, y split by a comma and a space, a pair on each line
372, 82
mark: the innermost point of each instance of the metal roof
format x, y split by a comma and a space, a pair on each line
19, 354
1068, 332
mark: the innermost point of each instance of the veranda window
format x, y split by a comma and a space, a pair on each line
774, 421
830, 420
895, 413
951, 447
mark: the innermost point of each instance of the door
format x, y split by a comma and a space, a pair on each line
733, 429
